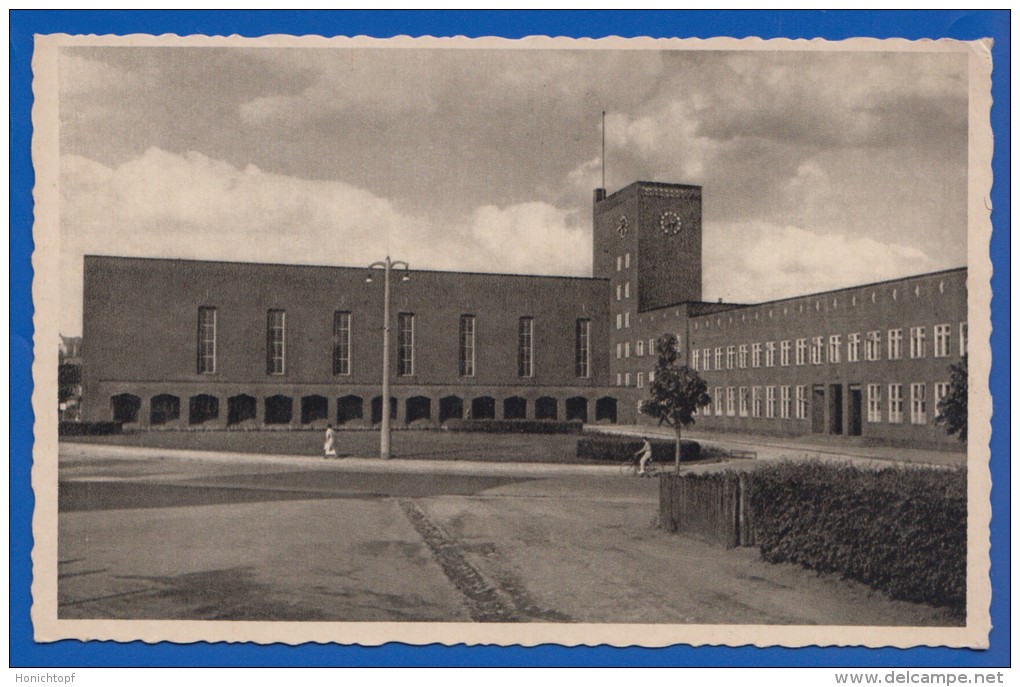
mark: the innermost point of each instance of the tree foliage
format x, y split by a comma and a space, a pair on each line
676, 392
952, 409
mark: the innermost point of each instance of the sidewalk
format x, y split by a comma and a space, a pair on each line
774, 448
69, 450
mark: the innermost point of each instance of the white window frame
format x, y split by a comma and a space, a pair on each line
342, 321
895, 404
895, 344
276, 351
873, 346
918, 404
756, 355
718, 400
874, 403
743, 401
817, 349
770, 401
784, 353
784, 402
802, 402
943, 340
405, 348
853, 347
835, 345
801, 352
918, 342
207, 340
526, 347
941, 391
756, 401
770, 354
731, 401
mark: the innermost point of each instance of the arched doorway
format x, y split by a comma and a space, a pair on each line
418, 408
125, 408
483, 408
545, 408
577, 408
202, 409
314, 408
240, 408
450, 407
349, 408
279, 410
377, 409
164, 408
515, 408
605, 409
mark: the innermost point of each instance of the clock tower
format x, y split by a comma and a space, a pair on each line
647, 242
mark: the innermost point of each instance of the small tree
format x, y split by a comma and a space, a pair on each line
676, 392
952, 409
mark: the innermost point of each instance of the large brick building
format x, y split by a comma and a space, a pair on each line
177, 343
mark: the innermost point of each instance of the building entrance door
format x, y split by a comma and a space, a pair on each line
853, 421
818, 409
835, 409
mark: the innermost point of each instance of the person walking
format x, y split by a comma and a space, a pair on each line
329, 448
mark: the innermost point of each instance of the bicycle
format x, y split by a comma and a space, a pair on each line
632, 468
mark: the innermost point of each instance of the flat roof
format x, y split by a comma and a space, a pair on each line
736, 306
340, 267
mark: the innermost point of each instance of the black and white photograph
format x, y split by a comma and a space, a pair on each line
621, 341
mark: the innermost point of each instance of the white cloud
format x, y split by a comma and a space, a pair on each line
191, 206
755, 262
533, 238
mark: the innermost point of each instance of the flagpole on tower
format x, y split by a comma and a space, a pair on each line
603, 148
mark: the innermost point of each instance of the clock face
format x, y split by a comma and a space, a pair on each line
621, 226
670, 223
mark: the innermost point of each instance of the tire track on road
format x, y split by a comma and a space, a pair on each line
488, 601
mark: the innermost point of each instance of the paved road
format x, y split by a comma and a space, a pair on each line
152, 534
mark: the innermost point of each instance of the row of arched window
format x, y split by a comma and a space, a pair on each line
279, 409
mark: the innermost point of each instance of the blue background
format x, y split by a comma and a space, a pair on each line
965, 25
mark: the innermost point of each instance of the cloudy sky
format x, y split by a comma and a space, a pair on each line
820, 170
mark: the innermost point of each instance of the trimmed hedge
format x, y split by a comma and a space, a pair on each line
514, 426
77, 429
619, 448
902, 530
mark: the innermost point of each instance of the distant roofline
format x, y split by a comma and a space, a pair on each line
736, 306
341, 267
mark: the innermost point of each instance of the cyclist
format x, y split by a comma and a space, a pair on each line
645, 454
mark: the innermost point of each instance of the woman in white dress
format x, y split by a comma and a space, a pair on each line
329, 448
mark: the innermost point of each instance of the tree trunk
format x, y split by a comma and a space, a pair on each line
677, 467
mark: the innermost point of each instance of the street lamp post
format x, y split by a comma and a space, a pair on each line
386, 266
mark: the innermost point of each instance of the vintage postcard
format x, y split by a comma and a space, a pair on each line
489, 341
